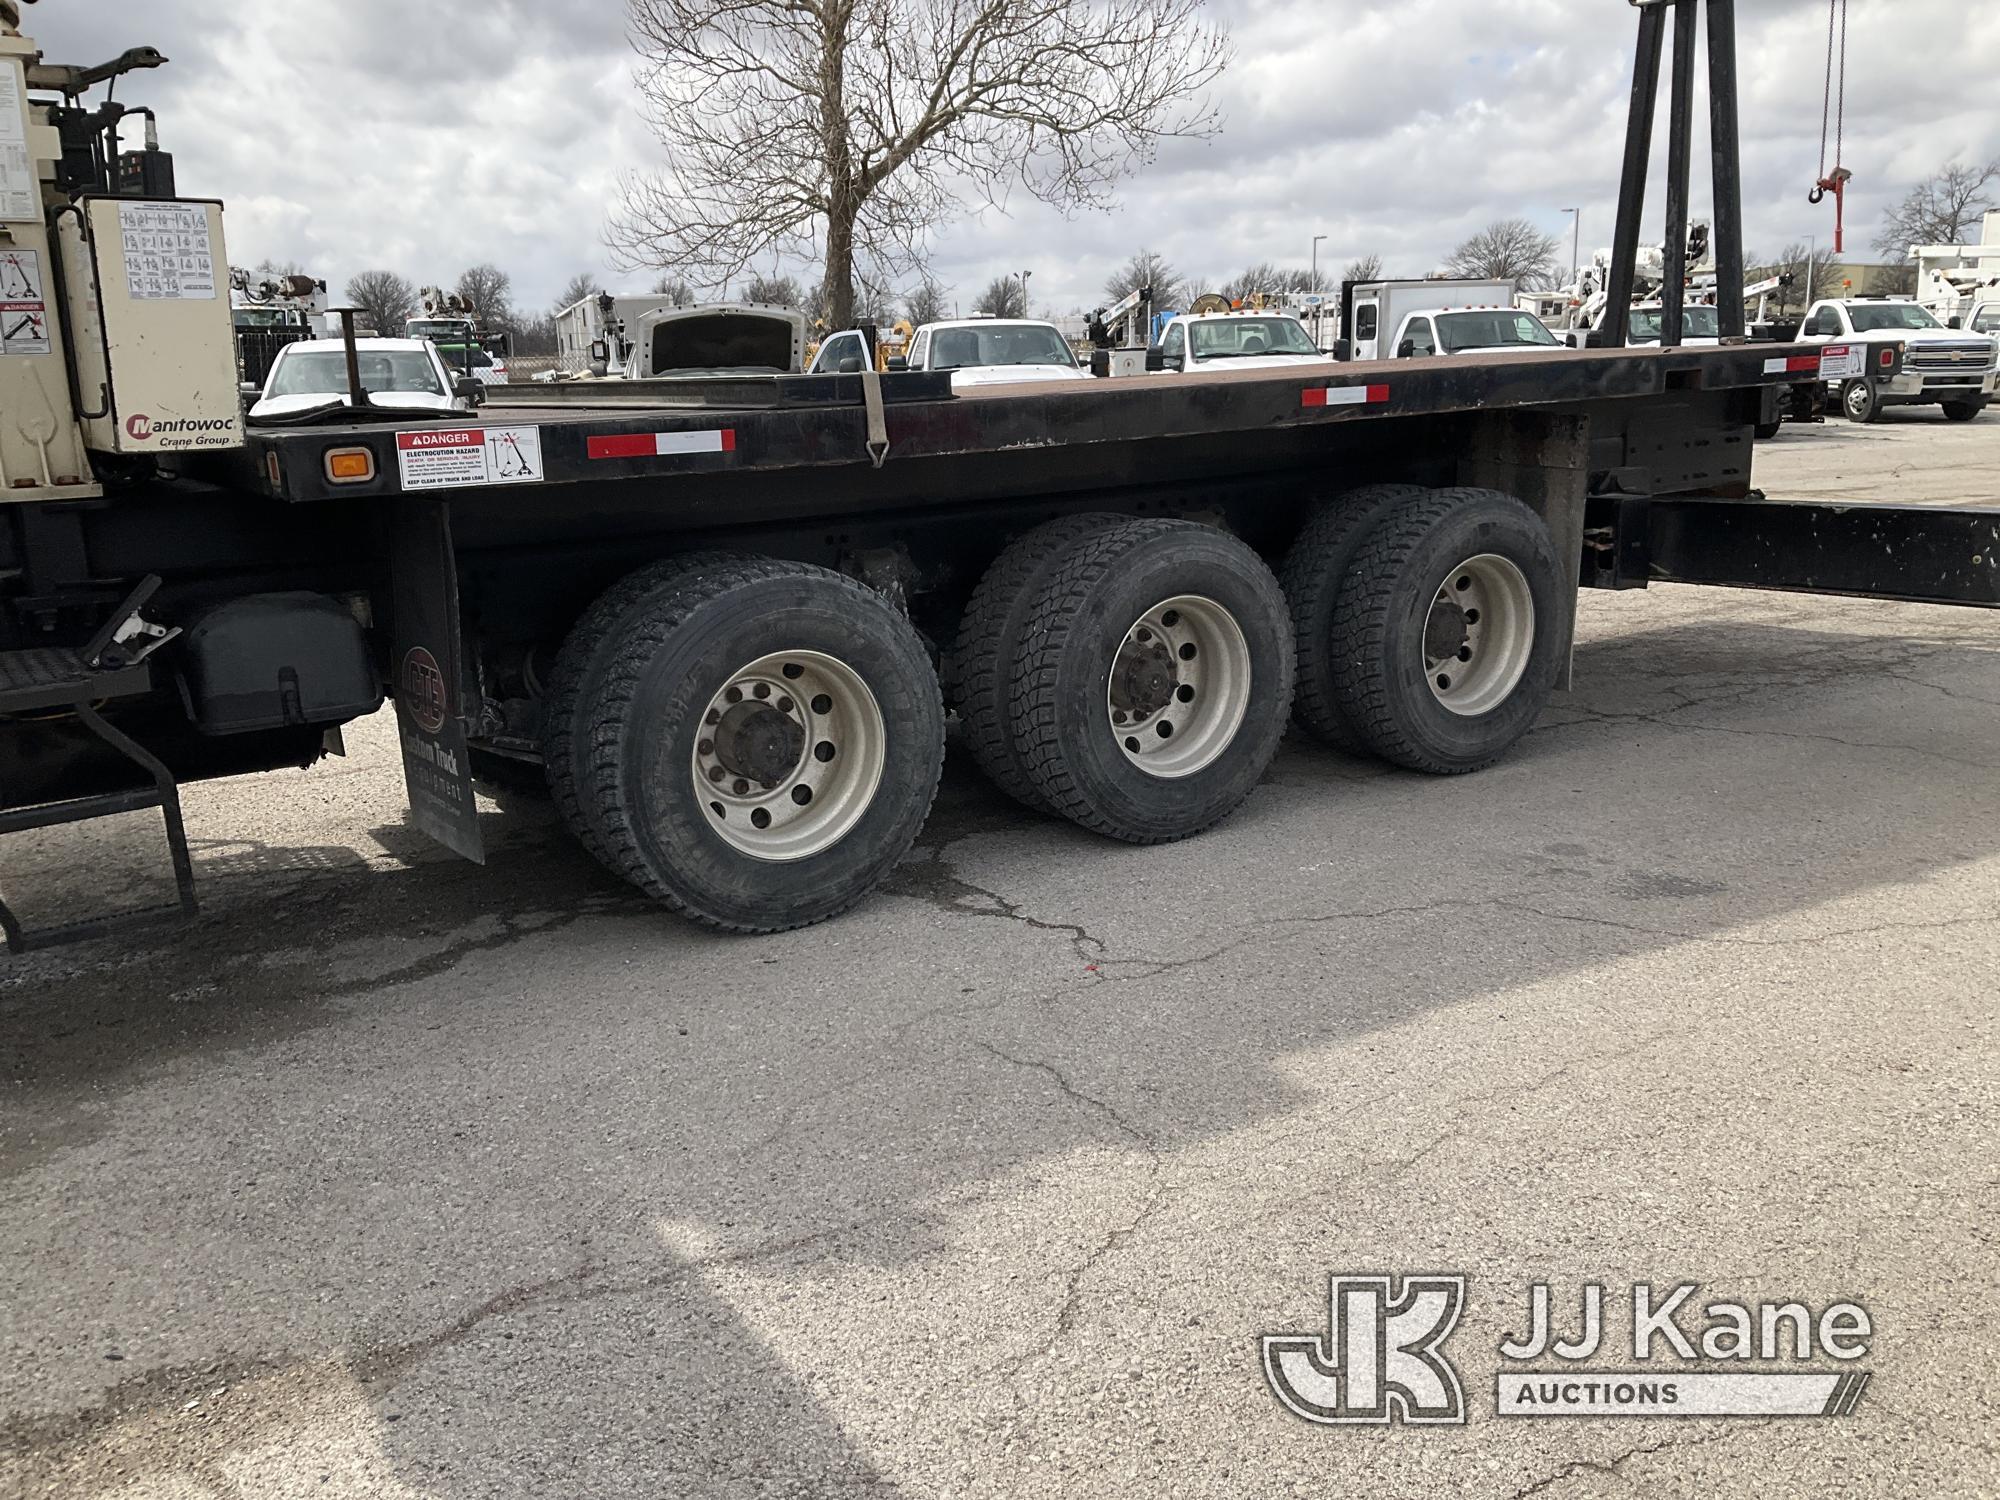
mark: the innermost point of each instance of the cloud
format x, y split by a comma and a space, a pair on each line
425, 135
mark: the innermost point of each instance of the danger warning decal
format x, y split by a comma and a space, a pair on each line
1343, 395
434, 458
662, 444
24, 318
1842, 362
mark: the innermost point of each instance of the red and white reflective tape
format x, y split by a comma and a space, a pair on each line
1343, 395
1792, 364
662, 444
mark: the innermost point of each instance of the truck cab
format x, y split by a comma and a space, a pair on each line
1234, 341
1701, 327
1941, 366
1484, 330
975, 352
1375, 316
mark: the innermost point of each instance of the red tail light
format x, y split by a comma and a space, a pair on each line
1888, 358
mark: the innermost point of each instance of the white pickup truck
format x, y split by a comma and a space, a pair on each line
1234, 341
1982, 317
1941, 366
1473, 330
974, 351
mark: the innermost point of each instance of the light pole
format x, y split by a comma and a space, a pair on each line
1026, 308
1575, 244
1315, 287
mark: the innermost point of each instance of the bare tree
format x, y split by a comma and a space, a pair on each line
1148, 269
535, 335
666, 284
850, 128
783, 290
1507, 248
1264, 279
386, 300
1813, 271
275, 269
924, 304
1366, 268
582, 284
490, 290
1940, 210
1004, 298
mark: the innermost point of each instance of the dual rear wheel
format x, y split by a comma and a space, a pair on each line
756, 743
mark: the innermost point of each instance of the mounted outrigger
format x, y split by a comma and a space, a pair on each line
726, 622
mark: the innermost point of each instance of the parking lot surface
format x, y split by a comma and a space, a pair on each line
398, 1177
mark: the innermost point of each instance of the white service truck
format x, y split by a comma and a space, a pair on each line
1940, 366
1398, 319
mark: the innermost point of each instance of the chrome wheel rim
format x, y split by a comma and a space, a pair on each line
788, 755
1478, 634
1178, 686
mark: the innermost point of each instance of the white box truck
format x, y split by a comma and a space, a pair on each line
1373, 313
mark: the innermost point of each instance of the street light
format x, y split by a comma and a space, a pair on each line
1575, 244
1315, 288
1026, 307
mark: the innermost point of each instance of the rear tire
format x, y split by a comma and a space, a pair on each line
1152, 689
1313, 576
1859, 401
1963, 411
720, 794
1445, 640
999, 614
579, 666
1767, 430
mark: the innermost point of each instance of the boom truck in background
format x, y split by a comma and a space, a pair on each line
469, 344
723, 618
643, 337
270, 312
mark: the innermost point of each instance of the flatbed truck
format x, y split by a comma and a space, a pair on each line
726, 620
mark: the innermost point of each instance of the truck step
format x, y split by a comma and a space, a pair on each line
47, 678
162, 794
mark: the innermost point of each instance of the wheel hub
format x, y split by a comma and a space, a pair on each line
1143, 678
1179, 686
788, 755
757, 742
1479, 634
1444, 631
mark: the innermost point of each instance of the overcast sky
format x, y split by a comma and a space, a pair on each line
424, 135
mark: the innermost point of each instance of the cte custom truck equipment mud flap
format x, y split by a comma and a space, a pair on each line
428, 677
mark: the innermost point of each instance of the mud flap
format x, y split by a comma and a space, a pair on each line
429, 677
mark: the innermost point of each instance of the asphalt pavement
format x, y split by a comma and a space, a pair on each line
395, 1176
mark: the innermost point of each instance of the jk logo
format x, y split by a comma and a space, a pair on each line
1378, 1361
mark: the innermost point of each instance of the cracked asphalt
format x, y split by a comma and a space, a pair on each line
398, 1177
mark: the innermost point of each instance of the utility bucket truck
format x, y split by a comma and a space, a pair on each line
723, 617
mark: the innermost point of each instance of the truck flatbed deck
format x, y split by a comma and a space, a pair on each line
786, 422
